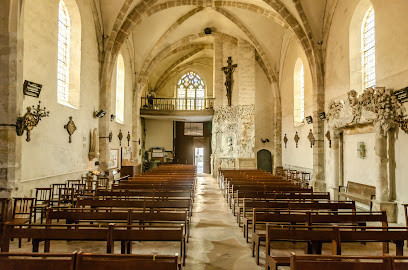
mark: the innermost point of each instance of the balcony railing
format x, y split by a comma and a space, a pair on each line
177, 104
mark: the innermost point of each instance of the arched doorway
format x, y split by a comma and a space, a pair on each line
264, 160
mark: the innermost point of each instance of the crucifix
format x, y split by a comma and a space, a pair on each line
228, 70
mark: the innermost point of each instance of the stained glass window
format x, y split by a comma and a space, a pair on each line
120, 90
190, 92
64, 26
299, 93
368, 49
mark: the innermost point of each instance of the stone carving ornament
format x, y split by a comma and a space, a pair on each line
376, 105
70, 127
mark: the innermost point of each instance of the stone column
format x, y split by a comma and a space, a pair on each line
11, 82
278, 125
219, 88
382, 200
335, 162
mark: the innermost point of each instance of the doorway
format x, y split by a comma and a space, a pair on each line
199, 159
264, 160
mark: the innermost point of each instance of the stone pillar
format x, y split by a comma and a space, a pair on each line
219, 88
11, 83
335, 163
382, 200
278, 125
245, 92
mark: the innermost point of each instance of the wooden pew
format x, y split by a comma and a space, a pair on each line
336, 235
183, 204
128, 216
309, 262
249, 205
23, 261
238, 197
157, 194
109, 234
86, 261
310, 218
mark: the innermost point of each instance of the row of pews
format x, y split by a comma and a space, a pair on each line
278, 208
156, 206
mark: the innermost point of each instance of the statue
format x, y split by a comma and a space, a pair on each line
228, 70
94, 145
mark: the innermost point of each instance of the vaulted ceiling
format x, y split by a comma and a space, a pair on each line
166, 34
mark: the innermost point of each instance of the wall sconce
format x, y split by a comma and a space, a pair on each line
128, 137
309, 119
99, 114
113, 117
322, 116
264, 140
30, 120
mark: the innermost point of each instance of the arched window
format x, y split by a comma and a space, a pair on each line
64, 25
120, 89
190, 92
368, 49
299, 93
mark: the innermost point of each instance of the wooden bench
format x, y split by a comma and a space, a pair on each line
108, 234
316, 235
249, 205
358, 192
128, 216
309, 218
125, 262
310, 262
85, 261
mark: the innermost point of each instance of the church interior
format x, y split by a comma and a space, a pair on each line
203, 134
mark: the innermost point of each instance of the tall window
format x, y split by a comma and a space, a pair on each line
64, 26
190, 92
368, 49
120, 89
299, 92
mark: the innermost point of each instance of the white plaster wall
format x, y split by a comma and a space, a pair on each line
358, 169
391, 72
264, 107
301, 157
159, 133
48, 157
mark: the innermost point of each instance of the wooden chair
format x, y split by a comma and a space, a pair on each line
71, 183
66, 197
103, 182
42, 202
22, 212
55, 193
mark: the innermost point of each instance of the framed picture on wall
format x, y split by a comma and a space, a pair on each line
114, 159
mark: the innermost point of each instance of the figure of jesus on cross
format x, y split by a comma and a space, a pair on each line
228, 70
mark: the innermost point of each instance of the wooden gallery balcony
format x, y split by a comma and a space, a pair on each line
177, 107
